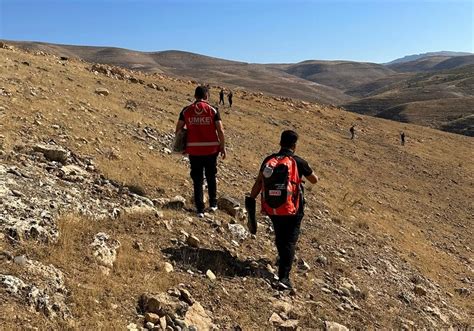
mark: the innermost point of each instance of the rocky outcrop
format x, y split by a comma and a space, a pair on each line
52, 152
46, 294
175, 309
35, 191
105, 249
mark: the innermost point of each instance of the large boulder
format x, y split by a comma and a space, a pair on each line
197, 317
162, 304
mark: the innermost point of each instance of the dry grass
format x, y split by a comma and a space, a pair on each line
417, 195
96, 299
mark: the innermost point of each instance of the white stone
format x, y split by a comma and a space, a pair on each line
210, 275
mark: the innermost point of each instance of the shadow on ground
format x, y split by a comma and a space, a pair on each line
222, 263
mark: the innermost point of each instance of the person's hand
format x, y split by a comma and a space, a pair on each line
223, 153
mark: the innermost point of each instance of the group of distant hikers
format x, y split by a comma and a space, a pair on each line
229, 98
352, 132
279, 180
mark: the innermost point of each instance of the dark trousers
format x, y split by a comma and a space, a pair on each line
201, 164
221, 100
287, 231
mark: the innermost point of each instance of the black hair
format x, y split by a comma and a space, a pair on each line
201, 92
288, 139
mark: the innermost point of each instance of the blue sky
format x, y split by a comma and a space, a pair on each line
253, 31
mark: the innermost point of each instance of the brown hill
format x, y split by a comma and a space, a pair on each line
447, 114
87, 227
414, 57
455, 62
419, 65
343, 75
379, 86
433, 99
433, 63
360, 87
199, 67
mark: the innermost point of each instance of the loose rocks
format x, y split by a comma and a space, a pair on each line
197, 317
176, 203
238, 231
210, 275
105, 249
170, 311
47, 294
168, 267
193, 241
52, 152
333, 326
102, 91
228, 205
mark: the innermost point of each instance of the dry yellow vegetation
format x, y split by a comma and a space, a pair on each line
389, 217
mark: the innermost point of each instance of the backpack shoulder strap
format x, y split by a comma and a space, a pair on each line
297, 177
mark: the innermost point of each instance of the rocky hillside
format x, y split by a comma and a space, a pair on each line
367, 88
436, 99
233, 74
97, 229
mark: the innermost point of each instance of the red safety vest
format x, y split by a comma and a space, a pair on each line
202, 136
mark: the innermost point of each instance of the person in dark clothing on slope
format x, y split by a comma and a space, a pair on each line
221, 97
205, 140
402, 138
286, 218
352, 131
229, 98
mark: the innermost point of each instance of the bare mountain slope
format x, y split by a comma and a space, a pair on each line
91, 236
419, 65
239, 74
379, 86
200, 67
433, 63
342, 75
415, 57
447, 114
432, 99
361, 87
110, 55
455, 62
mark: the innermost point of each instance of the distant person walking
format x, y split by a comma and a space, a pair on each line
352, 131
221, 97
402, 138
208, 93
229, 98
280, 181
205, 139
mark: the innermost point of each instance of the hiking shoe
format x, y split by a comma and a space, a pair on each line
285, 284
213, 209
200, 215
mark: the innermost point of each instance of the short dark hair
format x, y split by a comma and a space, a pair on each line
201, 92
288, 139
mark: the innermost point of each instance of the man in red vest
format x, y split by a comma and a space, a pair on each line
205, 140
